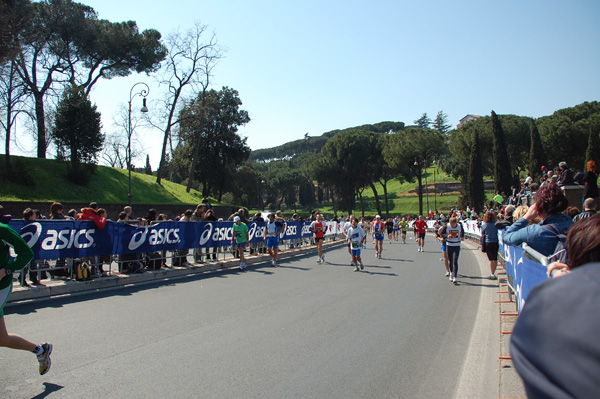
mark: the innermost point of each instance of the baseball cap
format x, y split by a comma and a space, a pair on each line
377, 217
236, 219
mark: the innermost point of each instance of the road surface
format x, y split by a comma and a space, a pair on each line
399, 329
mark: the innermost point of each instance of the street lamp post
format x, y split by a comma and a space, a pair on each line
144, 94
419, 173
434, 185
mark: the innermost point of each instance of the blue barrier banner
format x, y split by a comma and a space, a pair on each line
525, 273
53, 239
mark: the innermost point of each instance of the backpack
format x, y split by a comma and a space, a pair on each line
82, 271
560, 251
153, 261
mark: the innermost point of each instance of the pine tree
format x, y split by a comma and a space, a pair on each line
77, 133
537, 154
503, 178
424, 121
441, 123
475, 187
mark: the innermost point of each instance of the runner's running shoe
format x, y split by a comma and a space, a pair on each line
44, 358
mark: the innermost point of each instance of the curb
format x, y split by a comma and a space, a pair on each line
58, 288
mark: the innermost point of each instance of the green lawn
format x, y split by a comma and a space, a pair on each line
44, 180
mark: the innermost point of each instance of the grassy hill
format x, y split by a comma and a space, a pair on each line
44, 180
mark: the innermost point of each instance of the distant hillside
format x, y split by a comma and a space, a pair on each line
315, 143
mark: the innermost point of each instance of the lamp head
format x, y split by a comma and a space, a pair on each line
144, 108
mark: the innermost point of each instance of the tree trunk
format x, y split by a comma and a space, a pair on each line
362, 204
385, 197
163, 154
377, 203
41, 124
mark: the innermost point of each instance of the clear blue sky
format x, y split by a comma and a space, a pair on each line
314, 66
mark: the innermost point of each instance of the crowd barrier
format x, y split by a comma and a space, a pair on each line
58, 245
525, 267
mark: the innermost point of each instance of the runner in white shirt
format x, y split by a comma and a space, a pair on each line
356, 237
347, 226
365, 226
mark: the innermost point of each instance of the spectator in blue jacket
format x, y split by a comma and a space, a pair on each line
549, 206
555, 345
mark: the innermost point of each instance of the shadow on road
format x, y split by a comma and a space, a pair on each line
48, 389
476, 281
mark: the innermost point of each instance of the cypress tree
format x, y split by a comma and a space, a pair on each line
148, 168
476, 191
503, 177
537, 154
593, 148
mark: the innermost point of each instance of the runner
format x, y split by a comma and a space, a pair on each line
440, 234
319, 229
24, 256
365, 226
420, 227
240, 236
454, 235
395, 227
356, 237
272, 231
389, 225
378, 235
403, 227
347, 226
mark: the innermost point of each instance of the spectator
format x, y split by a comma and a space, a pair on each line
488, 228
72, 214
590, 181
554, 344
179, 257
565, 176
29, 217
206, 202
151, 216
122, 218
209, 216
528, 180
198, 214
241, 213
589, 209
56, 211
90, 214
93, 205
549, 206
572, 211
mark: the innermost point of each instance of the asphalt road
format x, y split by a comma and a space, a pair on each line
399, 329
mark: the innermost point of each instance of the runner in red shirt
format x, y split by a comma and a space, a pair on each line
319, 228
421, 227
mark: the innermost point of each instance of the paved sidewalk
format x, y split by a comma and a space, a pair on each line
60, 287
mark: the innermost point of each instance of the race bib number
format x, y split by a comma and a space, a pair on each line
354, 244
